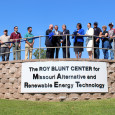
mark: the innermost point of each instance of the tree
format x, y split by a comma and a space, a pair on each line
42, 54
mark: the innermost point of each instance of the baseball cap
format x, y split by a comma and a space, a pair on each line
95, 23
110, 23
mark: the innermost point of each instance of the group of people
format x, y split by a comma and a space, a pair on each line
55, 41
14, 40
94, 35
55, 38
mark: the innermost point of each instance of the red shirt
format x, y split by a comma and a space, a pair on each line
15, 36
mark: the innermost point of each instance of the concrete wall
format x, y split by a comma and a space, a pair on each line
10, 84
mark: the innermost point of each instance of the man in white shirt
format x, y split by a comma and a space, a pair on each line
56, 41
5, 46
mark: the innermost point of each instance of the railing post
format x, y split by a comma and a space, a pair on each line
13, 50
113, 48
16, 53
39, 47
66, 48
93, 45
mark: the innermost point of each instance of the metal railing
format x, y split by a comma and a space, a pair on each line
40, 37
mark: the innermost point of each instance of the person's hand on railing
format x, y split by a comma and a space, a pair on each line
111, 37
101, 37
1, 42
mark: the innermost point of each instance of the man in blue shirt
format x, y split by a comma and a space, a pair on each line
29, 43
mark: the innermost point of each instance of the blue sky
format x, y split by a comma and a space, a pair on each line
40, 13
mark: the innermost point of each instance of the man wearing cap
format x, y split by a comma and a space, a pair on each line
15, 38
97, 32
5, 46
111, 34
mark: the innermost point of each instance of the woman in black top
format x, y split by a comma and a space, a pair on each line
105, 42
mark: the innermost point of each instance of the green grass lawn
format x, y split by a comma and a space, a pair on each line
97, 107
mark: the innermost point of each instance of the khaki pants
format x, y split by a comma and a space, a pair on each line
28, 49
16, 54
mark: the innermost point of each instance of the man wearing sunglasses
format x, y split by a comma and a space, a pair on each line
15, 37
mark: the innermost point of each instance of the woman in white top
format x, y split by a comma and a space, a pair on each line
89, 40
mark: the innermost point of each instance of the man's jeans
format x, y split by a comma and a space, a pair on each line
16, 54
111, 52
96, 51
5, 50
106, 44
0, 51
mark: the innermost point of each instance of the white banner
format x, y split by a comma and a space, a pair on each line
64, 76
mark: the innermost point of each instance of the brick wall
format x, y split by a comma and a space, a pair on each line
10, 84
